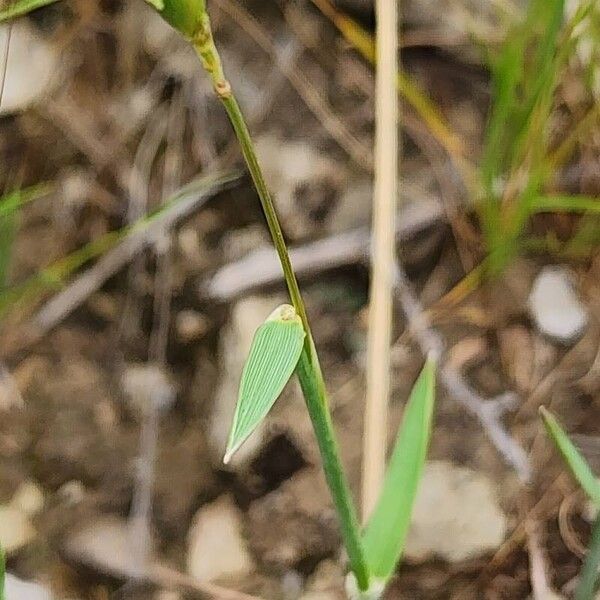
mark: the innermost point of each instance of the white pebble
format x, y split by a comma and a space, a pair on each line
555, 307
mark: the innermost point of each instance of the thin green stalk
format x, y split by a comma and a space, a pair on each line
309, 370
315, 394
589, 575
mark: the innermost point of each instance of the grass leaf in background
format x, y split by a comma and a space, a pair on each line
18, 8
385, 533
566, 203
10, 205
8, 231
271, 362
55, 275
578, 466
588, 580
514, 169
13, 201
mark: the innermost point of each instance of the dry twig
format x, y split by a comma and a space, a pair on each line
382, 256
261, 267
489, 412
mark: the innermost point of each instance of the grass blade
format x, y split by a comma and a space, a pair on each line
8, 232
272, 359
19, 8
578, 466
385, 533
588, 581
13, 201
566, 203
10, 205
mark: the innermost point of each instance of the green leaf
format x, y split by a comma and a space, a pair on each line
274, 354
566, 203
18, 8
385, 533
10, 205
8, 231
578, 466
187, 16
14, 200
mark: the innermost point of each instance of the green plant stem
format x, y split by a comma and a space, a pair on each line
309, 370
313, 388
589, 575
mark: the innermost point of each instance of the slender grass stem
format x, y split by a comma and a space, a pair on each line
309, 370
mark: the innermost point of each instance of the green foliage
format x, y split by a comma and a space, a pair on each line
55, 275
517, 162
578, 466
186, 16
18, 8
8, 232
590, 484
10, 205
385, 534
565, 203
271, 362
513, 170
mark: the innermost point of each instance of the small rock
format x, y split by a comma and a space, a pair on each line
104, 545
33, 67
247, 315
216, 547
16, 530
168, 595
29, 498
456, 515
555, 306
148, 385
17, 589
190, 325
72, 492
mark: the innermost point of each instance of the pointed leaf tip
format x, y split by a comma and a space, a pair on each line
579, 467
272, 359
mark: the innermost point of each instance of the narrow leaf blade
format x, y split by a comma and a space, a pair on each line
566, 203
578, 466
386, 531
273, 357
